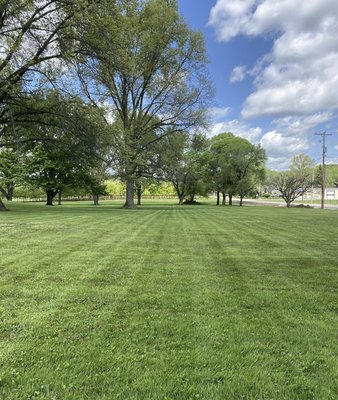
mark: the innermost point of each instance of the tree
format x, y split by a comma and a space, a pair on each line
96, 185
182, 161
290, 186
236, 166
331, 175
33, 34
142, 184
295, 182
302, 164
249, 165
10, 161
69, 148
148, 68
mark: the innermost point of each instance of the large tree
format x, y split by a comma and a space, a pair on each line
34, 36
147, 67
67, 148
236, 166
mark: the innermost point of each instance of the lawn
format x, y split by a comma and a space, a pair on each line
168, 302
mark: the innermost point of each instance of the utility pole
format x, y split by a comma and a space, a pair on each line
323, 135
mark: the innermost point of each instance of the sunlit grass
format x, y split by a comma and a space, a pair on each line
168, 302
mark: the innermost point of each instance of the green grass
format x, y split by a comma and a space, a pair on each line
168, 302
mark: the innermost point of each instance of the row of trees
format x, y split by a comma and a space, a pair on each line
90, 86
192, 164
224, 164
87, 85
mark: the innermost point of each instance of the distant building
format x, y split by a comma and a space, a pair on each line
315, 194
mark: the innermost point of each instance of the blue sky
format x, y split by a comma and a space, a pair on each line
275, 72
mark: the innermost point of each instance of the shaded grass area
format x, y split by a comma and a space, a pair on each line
168, 302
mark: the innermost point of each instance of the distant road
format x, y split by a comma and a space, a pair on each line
282, 203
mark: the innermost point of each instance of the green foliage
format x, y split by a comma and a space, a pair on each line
67, 147
149, 67
331, 172
291, 185
295, 182
302, 164
29, 192
235, 165
159, 188
115, 187
35, 37
151, 187
182, 161
10, 171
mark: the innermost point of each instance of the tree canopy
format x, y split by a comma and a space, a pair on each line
149, 71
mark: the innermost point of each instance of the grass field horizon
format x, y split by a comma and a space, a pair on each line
167, 302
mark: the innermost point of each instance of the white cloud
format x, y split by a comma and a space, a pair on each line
236, 11
276, 143
300, 75
301, 126
238, 128
217, 113
281, 147
290, 136
238, 74
278, 163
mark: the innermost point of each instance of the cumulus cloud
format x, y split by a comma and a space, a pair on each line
238, 128
289, 136
238, 74
276, 143
281, 148
217, 113
301, 126
278, 163
300, 75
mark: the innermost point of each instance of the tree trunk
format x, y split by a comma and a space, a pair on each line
96, 199
192, 198
230, 199
217, 194
223, 198
180, 198
288, 204
180, 194
139, 195
10, 191
50, 196
241, 201
2, 206
60, 198
129, 203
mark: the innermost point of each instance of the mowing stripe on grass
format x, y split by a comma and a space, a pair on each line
167, 302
